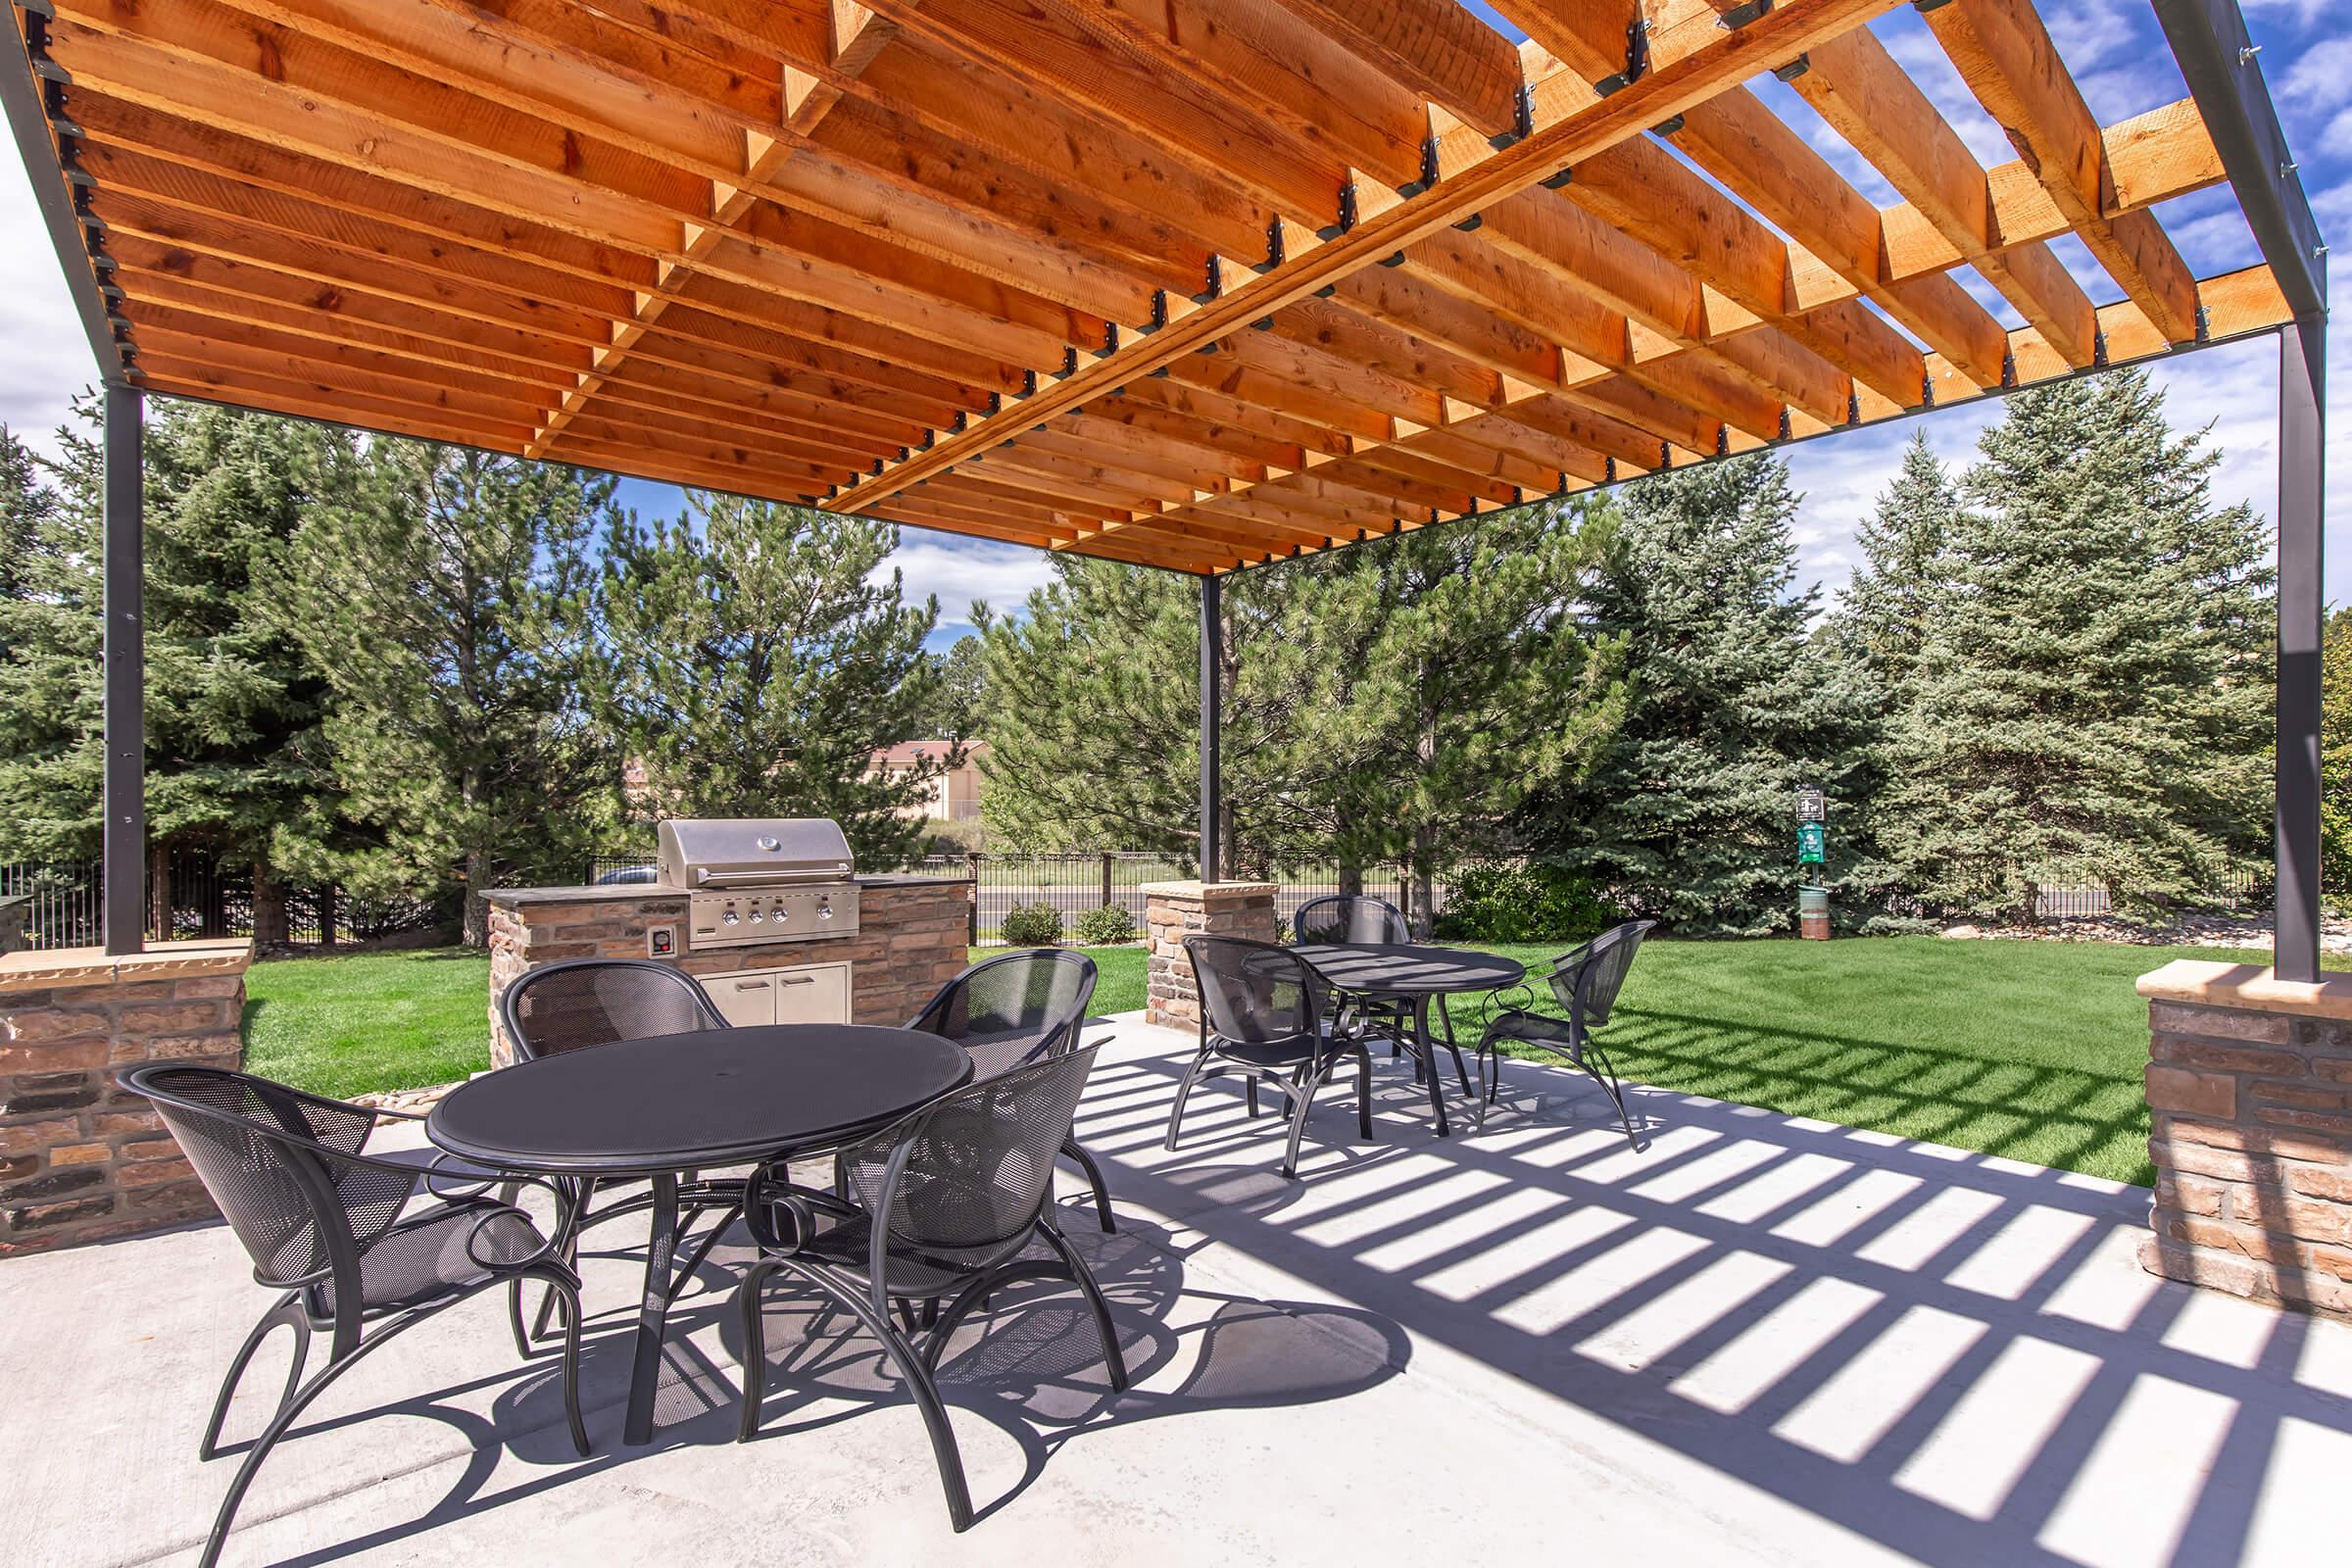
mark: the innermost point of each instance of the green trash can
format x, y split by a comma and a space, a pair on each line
1812, 900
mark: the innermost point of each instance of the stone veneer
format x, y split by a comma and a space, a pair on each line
1174, 910
80, 1159
2249, 1089
912, 936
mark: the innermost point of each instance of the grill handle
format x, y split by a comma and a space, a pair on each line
703, 876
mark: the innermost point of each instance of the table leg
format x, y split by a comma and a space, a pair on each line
1427, 1050
653, 1312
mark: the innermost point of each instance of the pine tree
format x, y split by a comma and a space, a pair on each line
1689, 815
2093, 687
233, 708
2335, 753
27, 504
1441, 677
963, 699
1882, 617
443, 594
755, 664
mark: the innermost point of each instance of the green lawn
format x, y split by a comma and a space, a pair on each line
2027, 1049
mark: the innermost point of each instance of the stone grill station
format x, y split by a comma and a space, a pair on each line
911, 938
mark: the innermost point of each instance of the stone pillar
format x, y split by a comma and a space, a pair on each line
1174, 910
2250, 1099
81, 1159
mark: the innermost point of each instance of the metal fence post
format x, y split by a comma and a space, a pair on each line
971, 865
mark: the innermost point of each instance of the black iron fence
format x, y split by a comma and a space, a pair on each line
194, 894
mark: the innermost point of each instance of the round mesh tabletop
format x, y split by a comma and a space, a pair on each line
715, 1096
1403, 969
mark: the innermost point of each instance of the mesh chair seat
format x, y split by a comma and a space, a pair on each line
1535, 1028
446, 1248
965, 1190
1267, 1013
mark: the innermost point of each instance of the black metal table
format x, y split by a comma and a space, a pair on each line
1417, 974
671, 1102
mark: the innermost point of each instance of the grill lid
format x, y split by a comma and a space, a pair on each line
752, 852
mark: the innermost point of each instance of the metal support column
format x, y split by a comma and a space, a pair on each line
1212, 676
123, 652
2302, 461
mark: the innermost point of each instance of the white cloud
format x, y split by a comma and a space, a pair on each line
47, 359
960, 572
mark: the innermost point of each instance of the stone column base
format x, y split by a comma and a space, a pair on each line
2249, 1088
1174, 910
80, 1159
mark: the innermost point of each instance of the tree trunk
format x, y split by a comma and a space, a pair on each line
269, 907
159, 891
1352, 875
1422, 915
328, 897
476, 933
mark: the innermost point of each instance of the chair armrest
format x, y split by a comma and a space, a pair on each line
495, 1210
764, 1194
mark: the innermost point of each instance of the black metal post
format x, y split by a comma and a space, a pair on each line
2302, 461
1212, 676
124, 652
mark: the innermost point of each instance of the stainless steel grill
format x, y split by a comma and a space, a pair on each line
750, 881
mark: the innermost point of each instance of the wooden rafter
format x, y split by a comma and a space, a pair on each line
1189, 283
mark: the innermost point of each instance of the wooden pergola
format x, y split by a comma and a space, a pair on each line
1195, 284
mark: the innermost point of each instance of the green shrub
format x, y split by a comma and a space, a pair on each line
1106, 927
1031, 925
1497, 901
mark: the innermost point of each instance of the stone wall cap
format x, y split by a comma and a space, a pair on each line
64, 968
2205, 983
653, 892
1198, 890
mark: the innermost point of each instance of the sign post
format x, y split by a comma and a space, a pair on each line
1812, 849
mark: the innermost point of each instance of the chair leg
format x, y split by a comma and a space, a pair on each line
1307, 1102
1445, 1019
1363, 1092
563, 1292
1084, 1277
1094, 1177
571, 1223
1249, 1089
919, 1383
288, 1311
1184, 1092
754, 1347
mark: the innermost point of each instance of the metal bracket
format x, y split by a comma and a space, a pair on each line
1470, 224
1923, 6
1392, 259
996, 403
1523, 118
2008, 370
1347, 218
1265, 323
1794, 68
1637, 59
1159, 311
1327, 291
2204, 325
1028, 383
1786, 432
962, 422
929, 438
1926, 390
1723, 440
1609, 473
1214, 282
1558, 182
2098, 347
1110, 341
1853, 407
1069, 361
1274, 250
1667, 127
1740, 16
1429, 170
1158, 374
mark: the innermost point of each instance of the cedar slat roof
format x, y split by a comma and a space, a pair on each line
1169, 281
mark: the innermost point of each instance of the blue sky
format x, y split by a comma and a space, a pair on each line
2119, 57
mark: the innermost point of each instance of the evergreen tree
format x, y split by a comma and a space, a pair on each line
2093, 689
444, 596
1689, 815
233, 708
1439, 677
1882, 618
1094, 713
26, 505
2336, 754
755, 665
962, 700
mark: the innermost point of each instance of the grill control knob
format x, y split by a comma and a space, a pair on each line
824, 910
755, 915
727, 918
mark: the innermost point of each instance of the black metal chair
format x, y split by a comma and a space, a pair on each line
576, 1003
1585, 983
1012, 1010
329, 1225
1363, 918
948, 1216
1266, 1013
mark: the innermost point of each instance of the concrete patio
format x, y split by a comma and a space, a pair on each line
1764, 1340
